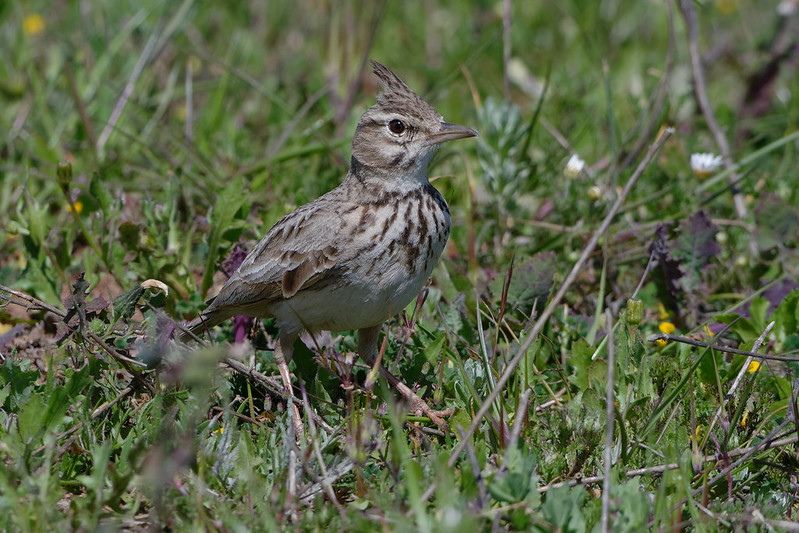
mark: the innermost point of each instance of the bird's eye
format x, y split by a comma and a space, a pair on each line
396, 126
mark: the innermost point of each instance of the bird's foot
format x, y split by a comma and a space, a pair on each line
420, 408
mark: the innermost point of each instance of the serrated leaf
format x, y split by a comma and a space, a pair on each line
669, 269
125, 304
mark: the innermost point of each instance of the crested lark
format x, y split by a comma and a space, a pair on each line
359, 254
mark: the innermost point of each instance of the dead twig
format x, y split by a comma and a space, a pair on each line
32, 303
699, 344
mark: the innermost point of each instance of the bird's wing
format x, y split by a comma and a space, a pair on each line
291, 257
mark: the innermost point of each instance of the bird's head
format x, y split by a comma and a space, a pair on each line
401, 132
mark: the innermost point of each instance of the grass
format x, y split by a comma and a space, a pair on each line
144, 140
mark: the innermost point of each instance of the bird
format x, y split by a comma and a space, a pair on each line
359, 254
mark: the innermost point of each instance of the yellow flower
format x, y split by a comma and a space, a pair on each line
754, 366
662, 313
744, 418
695, 437
707, 331
78, 207
33, 24
664, 327
219, 431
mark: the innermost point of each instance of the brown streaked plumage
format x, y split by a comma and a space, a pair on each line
359, 254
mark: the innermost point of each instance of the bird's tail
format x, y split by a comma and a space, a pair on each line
201, 324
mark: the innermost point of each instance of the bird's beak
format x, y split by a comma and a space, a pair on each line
450, 132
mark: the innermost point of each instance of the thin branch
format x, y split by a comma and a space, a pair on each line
107, 405
518, 418
29, 302
685, 340
32, 303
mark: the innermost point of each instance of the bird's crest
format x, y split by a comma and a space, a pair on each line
392, 90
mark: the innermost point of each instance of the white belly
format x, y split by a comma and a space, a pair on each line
337, 308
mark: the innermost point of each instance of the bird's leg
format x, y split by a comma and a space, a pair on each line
283, 353
367, 348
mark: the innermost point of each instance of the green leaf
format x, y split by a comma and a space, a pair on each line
581, 359
758, 310
707, 367
125, 304
30, 418
5, 391
563, 509
633, 507
519, 479
433, 350
57, 406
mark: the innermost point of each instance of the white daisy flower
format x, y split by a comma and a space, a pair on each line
703, 165
574, 166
